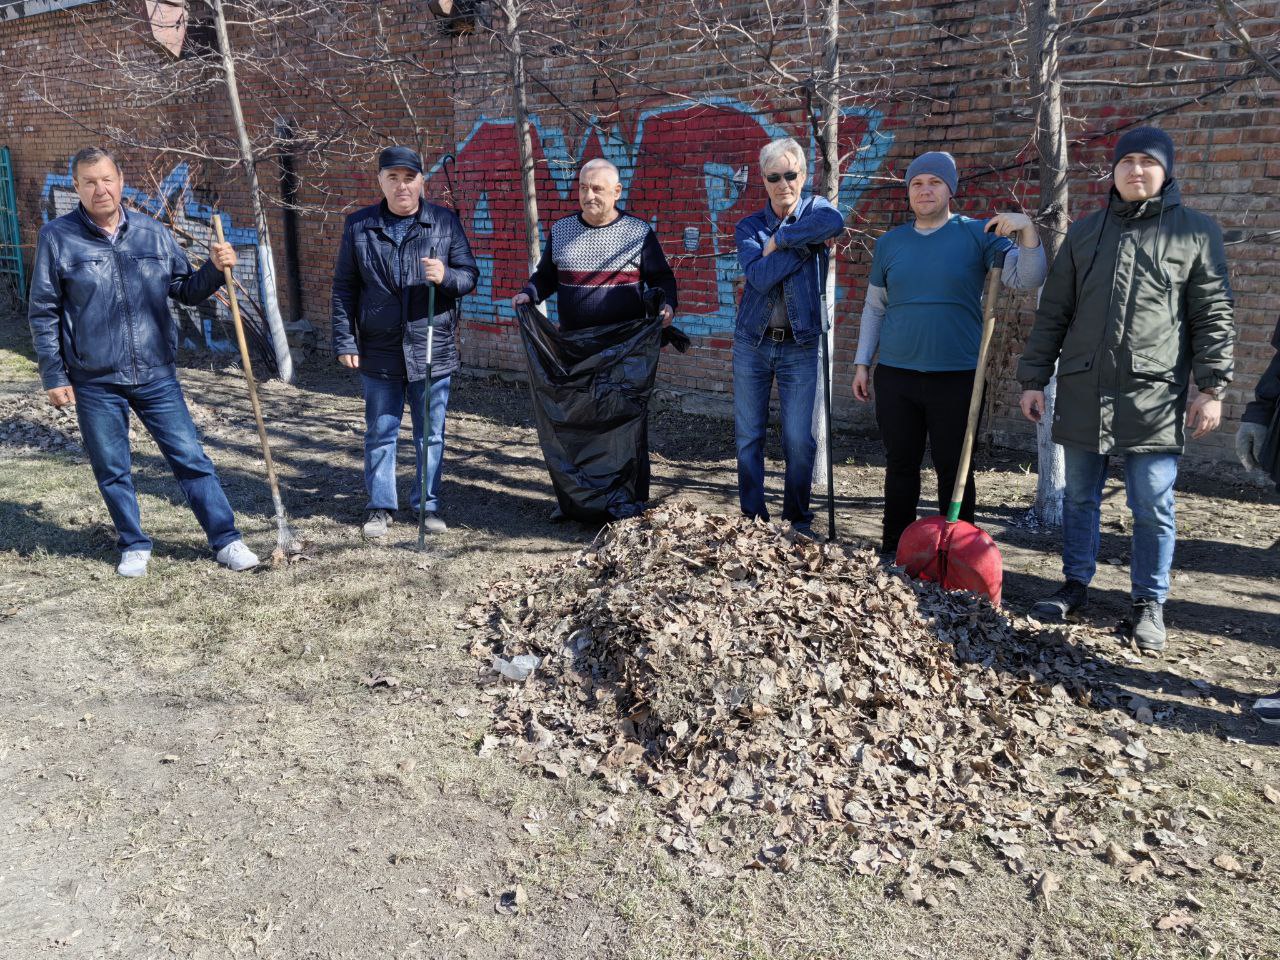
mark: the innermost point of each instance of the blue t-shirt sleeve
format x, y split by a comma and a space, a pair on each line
877, 278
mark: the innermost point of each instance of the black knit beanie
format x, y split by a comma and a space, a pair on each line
1152, 141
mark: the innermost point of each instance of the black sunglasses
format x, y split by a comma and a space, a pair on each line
791, 175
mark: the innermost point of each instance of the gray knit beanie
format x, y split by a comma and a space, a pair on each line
938, 163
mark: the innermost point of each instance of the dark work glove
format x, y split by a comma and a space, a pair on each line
654, 298
1250, 438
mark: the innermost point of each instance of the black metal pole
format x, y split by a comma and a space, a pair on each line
446, 162
426, 414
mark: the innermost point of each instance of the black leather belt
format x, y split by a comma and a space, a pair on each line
778, 334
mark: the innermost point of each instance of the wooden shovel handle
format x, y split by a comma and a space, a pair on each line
979, 381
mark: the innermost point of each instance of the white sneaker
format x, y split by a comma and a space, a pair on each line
133, 563
236, 556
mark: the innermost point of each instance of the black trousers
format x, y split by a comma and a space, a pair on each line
913, 407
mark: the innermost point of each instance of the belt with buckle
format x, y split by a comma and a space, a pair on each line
778, 334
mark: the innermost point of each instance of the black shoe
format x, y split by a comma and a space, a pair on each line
1147, 621
1056, 607
557, 515
376, 524
1267, 709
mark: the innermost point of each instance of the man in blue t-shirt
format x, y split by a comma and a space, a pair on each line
924, 312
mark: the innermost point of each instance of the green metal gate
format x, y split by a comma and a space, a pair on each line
11, 271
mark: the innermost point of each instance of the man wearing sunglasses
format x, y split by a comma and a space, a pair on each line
782, 250
924, 314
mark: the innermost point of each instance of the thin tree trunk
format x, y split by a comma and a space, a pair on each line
1051, 144
524, 142
829, 187
266, 262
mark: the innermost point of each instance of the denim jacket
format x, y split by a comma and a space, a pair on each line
99, 311
795, 270
379, 305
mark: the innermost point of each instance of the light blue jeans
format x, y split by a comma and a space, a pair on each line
384, 402
755, 369
1148, 483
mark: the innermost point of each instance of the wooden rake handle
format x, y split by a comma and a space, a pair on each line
247, 364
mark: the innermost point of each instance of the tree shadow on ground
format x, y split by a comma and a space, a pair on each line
1177, 703
1217, 710
28, 533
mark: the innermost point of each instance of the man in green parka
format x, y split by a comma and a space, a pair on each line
1136, 306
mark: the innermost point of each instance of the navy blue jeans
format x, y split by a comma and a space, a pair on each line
795, 368
384, 402
103, 411
1148, 485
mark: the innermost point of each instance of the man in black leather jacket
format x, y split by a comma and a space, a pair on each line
107, 342
391, 254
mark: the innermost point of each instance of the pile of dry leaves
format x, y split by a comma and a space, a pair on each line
782, 694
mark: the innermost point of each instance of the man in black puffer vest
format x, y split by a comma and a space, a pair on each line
1258, 436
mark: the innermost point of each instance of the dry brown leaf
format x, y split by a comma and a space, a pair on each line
735, 670
1118, 856
1176, 920
1227, 862
1044, 885
958, 867
1140, 873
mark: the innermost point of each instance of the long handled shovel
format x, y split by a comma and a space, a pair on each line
286, 542
947, 550
426, 413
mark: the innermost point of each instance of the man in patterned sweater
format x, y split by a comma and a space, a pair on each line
601, 260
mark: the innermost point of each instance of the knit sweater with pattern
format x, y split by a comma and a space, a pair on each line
601, 273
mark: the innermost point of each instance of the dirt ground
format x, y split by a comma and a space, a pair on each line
194, 764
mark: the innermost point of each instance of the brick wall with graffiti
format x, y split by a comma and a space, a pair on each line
684, 127
691, 169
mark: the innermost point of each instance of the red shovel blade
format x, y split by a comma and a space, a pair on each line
957, 555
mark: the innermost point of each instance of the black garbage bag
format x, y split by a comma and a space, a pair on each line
591, 390
675, 337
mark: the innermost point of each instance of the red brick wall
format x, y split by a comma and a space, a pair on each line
681, 121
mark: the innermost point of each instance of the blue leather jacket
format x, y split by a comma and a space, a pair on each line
99, 312
795, 270
379, 310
